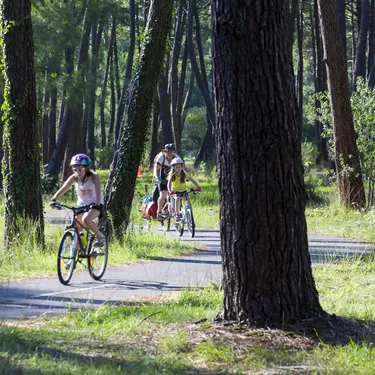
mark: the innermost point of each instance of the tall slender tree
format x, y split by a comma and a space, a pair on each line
21, 168
119, 190
266, 262
347, 162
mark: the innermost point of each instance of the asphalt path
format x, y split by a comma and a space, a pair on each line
46, 296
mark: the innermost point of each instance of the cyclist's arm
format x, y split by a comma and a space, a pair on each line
66, 186
98, 192
185, 168
169, 186
157, 168
193, 181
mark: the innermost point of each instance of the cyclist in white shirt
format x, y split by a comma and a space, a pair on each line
162, 167
88, 193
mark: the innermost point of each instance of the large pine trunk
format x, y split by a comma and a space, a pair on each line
266, 263
22, 186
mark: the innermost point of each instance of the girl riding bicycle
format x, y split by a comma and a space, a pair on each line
88, 193
177, 183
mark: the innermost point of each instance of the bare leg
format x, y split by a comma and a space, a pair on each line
87, 220
162, 199
178, 205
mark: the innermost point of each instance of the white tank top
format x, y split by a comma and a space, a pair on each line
86, 192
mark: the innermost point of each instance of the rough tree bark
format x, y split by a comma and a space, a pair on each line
266, 263
348, 168
21, 170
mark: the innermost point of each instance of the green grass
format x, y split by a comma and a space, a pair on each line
27, 260
176, 335
337, 221
162, 336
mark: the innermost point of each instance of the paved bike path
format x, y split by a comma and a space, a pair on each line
44, 296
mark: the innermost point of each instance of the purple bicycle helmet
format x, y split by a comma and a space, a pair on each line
80, 159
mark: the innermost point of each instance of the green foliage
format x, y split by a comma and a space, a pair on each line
49, 183
194, 130
363, 103
104, 157
309, 154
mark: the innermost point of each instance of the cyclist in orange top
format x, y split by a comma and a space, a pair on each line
177, 183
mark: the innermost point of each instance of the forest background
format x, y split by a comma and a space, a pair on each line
86, 53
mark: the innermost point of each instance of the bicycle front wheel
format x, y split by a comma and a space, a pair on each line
97, 260
190, 222
66, 259
179, 225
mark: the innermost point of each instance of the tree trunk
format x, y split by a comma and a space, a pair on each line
340, 4
292, 19
121, 182
57, 158
113, 103
371, 37
206, 149
164, 110
105, 80
116, 72
128, 73
45, 123
360, 60
194, 65
299, 80
348, 168
180, 96
74, 145
174, 89
320, 85
154, 132
21, 164
266, 264
96, 36
52, 120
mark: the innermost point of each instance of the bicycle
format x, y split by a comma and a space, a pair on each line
77, 246
167, 214
186, 213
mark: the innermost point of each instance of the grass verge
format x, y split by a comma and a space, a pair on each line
177, 335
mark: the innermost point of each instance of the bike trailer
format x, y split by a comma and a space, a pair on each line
151, 210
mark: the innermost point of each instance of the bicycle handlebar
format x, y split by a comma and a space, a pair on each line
194, 191
59, 206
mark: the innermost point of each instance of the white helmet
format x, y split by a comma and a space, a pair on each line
176, 160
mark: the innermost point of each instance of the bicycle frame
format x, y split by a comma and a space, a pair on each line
73, 250
185, 198
75, 222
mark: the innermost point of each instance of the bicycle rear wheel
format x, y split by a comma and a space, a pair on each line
97, 259
190, 222
66, 259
